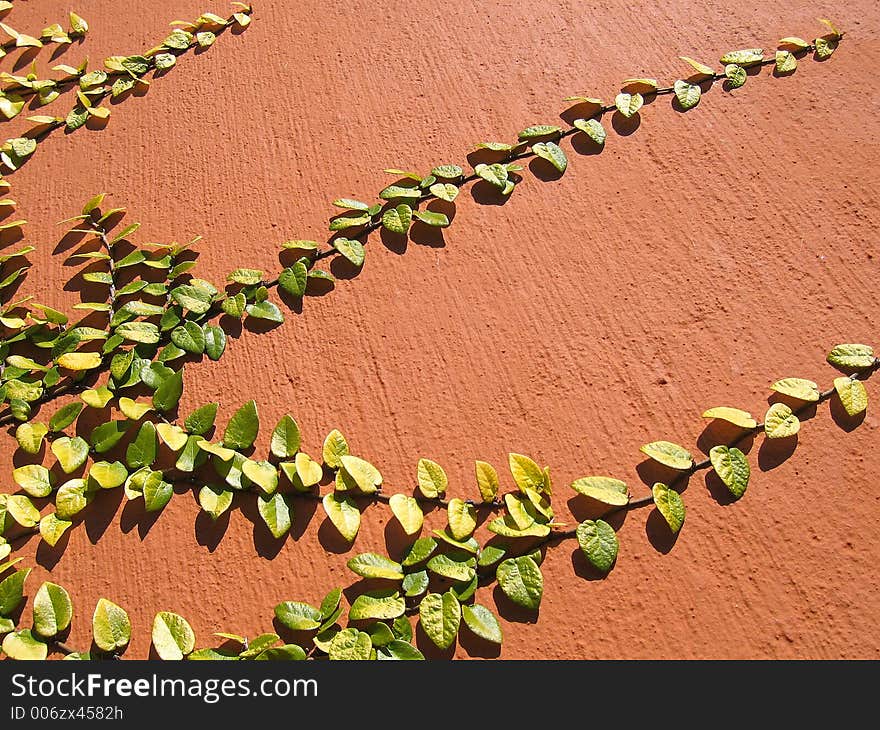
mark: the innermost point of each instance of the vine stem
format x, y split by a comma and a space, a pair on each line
559, 536
319, 254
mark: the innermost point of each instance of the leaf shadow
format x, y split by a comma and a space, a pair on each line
583, 568
651, 472
625, 126
208, 532
511, 611
775, 452
661, 537
476, 646
842, 419
719, 432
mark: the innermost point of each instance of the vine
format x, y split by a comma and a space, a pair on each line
142, 446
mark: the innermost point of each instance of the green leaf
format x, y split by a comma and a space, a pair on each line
215, 341
276, 513
351, 645
393, 192
732, 467
36, 480
24, 646
111, 627
344, 514
495, 174
853, 395
173, 637
12, 591
603, 489
97, 398
261, 473
372, 565
364, 474
265, 310
105, 436
737, 417
285, 438
30, 436
234, 306
70, 452
419, 551
669, 454
551, 152
456, 570
167, 395
189, 337
688, 95
53, 610
142, 450
52, 528
670, 505
195, 299
628, 104
432, 479
481, 621
780, 422
157, 493
379, 605
856, 357
701, 68
298, 616
599, 543
109, 475
288, 652
415, 584
786, 62
490, 555
593, 129
745, 57
400, 650
521, 581
246, 276
174, 437
242, 429
736, 75
397, 219
440, 616
294, 279
215, 501
800, 388
431, 218
462, 518
201, 420
450, 172
470, 545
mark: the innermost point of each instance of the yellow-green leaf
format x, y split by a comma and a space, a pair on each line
852, 356
462, 518
172, 636
23, 645
669, 454
825, 47
53, 610
365, 475
215, 501
350, 645
132, 409
628, 104
737, 417
97, 398
111, 626
36, 480
30, 436
780, 422
603, 489
308, 470
521, 581
372, 565
344, 514
852, 394
174, 437
487, 481
335, 447
22, 510
800, 388
700, 68
432, 479
440, 617
745, 57
732, 467
71, 498
79, 360
52, 528
482, 622
688, 95
261, 473
670, 505
785, 62
526, 472
408, 512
